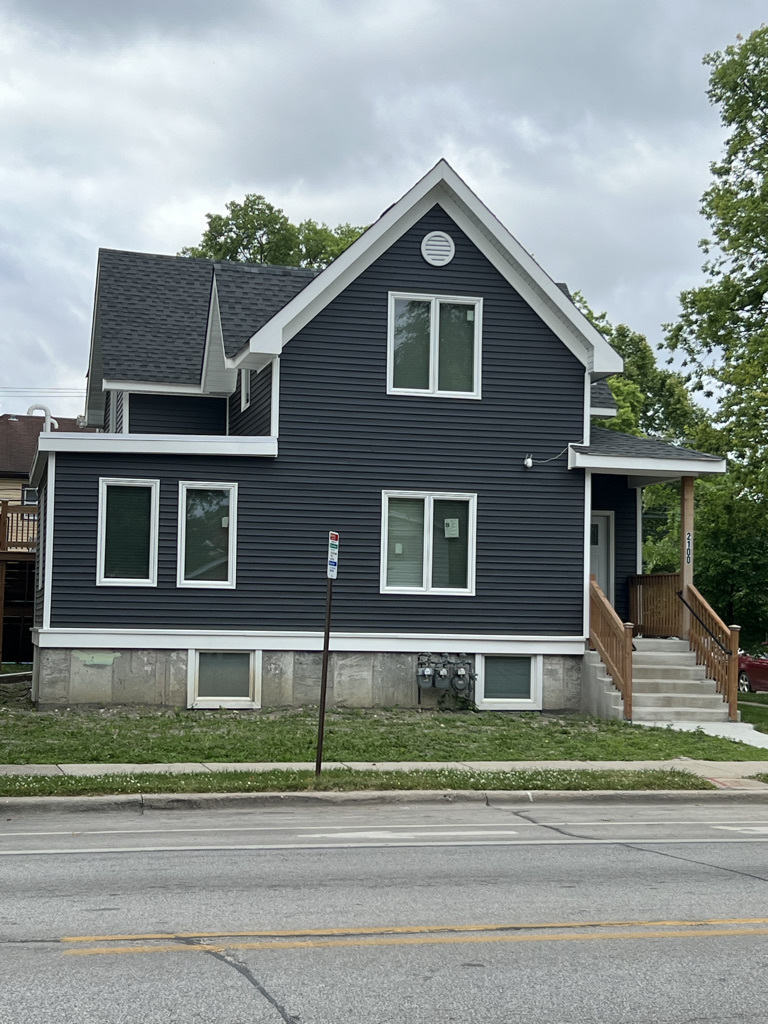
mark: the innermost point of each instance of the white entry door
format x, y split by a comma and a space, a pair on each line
601, 551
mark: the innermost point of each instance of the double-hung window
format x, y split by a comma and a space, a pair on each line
207, 535
434, 345
127, 532
428, 543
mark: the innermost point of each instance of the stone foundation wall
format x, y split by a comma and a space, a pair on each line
158, 678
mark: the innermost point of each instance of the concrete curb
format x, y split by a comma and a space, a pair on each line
139, 803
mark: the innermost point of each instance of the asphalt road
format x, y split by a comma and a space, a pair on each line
601, 913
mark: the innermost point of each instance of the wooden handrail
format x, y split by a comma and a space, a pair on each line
716, 647
18, 527
612, 639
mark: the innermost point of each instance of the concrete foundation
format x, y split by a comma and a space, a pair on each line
158, 678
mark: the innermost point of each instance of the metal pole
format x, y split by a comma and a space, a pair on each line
324, 679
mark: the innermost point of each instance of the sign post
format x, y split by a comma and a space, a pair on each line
333, 566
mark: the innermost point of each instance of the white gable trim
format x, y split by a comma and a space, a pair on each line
441, 185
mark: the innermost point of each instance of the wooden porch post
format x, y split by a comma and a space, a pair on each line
686, 548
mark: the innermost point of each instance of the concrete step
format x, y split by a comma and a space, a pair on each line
702, 701
644, 671
671, 658
679, 686
643, 644
662, 715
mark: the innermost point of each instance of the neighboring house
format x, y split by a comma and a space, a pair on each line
428, 396
18, 531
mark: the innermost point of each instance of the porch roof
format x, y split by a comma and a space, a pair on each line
643, 458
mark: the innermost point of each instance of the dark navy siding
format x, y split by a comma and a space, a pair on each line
176, 414
257, 418
611, 494
343, 440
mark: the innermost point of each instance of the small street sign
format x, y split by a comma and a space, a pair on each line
333, 555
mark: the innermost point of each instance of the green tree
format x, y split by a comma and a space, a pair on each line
722, 330
652, 401
255, 231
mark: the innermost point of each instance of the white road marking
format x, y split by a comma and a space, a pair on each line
758, 830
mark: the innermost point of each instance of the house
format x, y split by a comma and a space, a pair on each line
18, 531
428, 396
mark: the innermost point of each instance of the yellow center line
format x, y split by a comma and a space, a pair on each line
412, 929
413, 940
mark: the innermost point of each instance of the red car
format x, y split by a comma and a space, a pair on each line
753, 672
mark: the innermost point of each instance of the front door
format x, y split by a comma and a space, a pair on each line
601, 551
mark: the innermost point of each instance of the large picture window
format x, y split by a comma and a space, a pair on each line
434, 345
428, 543
207, 535
127, 532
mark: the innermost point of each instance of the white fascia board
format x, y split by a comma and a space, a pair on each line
604, 414
442, 185
625, 465
145, 387
158, 444
239, 640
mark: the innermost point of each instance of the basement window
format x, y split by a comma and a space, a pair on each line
224, 679
509, 682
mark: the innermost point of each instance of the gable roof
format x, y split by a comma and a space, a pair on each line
18, 441
442, 186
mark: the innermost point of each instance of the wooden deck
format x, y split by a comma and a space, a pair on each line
18, 528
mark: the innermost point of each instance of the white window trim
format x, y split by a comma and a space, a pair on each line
231, 581
429, 498
533, 703
245, 389
433, 345
193, 668
101, 548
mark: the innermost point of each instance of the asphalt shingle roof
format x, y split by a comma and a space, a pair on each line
611, 442
18, 441
602, 396
152, 311
151, 316
250, 295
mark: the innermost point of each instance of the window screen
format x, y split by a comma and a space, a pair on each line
507, 677
127, 532
224, 675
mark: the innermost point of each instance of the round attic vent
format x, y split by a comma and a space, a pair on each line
437, 248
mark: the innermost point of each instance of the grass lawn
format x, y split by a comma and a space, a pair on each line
119, 735
12, 666
346, 780
757, 716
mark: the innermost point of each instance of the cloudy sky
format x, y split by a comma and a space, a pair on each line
583, 124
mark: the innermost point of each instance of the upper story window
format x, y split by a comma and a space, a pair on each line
245, 389
127, 532
434, 345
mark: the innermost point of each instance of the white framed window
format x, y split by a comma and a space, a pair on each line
127, 532
224, 679
245, 389
434, 345
207, 535
28, 495
508, 682
428, 542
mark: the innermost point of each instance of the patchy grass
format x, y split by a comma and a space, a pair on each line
12, 666
343, 780
754, 715
121, 735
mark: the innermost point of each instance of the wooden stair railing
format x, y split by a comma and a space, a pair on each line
716, 647
612, 639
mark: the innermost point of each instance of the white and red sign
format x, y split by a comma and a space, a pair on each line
333, 555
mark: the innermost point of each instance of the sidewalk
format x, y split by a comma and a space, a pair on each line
723, 774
